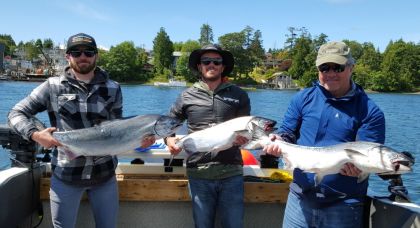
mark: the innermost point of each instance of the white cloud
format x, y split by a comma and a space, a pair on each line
103, 47
86, 11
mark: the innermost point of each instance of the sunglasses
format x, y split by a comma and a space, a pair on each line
215, 61
337, 68
77, 54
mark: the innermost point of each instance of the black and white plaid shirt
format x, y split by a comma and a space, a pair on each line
72, 104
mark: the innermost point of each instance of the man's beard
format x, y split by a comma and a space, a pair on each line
211, 79
84, 69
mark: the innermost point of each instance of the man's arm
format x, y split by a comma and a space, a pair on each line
19, 115
372, 128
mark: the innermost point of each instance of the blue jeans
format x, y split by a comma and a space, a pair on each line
226, 196
342, 214
65, 201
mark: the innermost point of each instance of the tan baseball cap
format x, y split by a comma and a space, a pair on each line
334, 52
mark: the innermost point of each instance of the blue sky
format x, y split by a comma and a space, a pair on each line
112, 22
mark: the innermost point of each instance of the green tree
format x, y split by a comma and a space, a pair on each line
248, 31
256, 48
178, 46
300, 63
48, 43
21, 44
31, 50
39, 44
362, 75
371, 58
162, 51
355, 48
103, 58
235, 42
121, 62
206, 35
400, 66
9, 44
142, 57
291, 38
319, 40
182, 63
367, 66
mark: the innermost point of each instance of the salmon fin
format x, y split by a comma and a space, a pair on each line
353, 153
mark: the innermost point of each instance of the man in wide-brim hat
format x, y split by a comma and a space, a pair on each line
216, 183
227, 59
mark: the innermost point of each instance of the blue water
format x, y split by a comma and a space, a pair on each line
401, 113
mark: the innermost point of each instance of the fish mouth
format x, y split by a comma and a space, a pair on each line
403, 162
402, 167
267, 124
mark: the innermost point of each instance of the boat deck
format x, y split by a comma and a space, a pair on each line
151, 183
150, 197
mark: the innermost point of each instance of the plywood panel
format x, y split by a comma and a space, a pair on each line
175, 188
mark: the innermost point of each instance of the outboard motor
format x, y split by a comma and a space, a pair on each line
20, 188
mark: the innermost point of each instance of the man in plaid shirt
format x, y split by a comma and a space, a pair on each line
80, 98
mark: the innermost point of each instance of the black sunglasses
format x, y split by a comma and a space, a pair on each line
215, 61
77, 54
337, 68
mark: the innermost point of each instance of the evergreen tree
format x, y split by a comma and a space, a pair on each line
300, 63
39, 44
48, 43
162, 52
248, 36
9, 44
256, 48
206, 35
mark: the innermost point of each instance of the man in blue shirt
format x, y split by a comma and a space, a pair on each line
333, 111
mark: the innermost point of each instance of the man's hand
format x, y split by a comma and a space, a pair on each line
148, 141
172, 147
350, 170
45, 139
240, 140
273, 149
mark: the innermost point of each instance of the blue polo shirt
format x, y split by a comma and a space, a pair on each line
315, 118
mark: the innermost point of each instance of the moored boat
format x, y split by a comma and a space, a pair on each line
171, 83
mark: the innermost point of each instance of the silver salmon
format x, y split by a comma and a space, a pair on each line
369, 157
116, 136
222, 136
